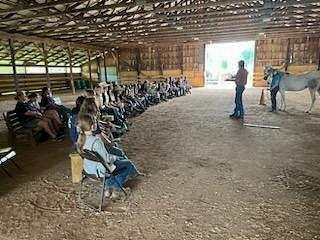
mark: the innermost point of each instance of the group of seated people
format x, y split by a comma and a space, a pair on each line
98, 121
101, 117
46, 115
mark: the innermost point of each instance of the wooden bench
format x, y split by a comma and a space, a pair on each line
15, 129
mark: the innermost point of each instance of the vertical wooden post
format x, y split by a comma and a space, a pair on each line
181, 59
105, 66
13, 62
98, 68
319, 55
45, 57
159, 55
138, 62
89, 64
288, 55
70, 67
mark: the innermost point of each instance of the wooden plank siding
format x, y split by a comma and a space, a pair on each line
163, 61
34, 82
301, 55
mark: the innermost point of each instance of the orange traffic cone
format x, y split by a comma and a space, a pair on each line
262, 98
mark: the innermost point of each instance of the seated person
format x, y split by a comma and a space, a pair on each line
72, 121
124, 167
29, 118
47, 102
85, 106
51, 116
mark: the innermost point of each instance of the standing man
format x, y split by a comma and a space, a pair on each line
274, 89
241, 81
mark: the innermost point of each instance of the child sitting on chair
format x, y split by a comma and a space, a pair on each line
124, 167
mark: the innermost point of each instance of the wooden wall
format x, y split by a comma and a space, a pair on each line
97, 68
34, 82
154, 63
302, 55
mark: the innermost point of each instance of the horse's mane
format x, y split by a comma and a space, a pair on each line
283, 73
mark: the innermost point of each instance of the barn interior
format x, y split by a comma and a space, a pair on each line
207, 177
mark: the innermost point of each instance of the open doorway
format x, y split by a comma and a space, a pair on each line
222, 62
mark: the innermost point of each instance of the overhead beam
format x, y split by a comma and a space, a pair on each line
158, 11
23, 38
38, 6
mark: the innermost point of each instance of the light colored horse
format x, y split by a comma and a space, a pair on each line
292, 82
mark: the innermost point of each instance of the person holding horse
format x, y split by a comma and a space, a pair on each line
241, 81
274, 89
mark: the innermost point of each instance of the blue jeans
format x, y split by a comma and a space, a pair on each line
125, 169
238, 111
273, 94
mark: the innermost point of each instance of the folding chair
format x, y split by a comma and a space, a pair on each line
94, 156
7, 154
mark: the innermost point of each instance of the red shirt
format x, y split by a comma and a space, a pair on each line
241, 77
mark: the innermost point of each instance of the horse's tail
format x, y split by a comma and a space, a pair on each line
313, 84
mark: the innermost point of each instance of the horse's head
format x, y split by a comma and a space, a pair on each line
269, 72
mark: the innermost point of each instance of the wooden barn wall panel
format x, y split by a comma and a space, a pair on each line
96, 70
301, 54
34, 82
156, 63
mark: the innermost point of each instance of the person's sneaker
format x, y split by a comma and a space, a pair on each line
272, 110
57, 139
60, 136
232, 116
107, 193
117, 194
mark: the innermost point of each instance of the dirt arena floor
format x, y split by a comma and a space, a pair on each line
208, 177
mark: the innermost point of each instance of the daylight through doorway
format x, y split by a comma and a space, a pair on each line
222, 62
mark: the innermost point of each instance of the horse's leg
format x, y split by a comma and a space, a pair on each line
283, 100
313, 98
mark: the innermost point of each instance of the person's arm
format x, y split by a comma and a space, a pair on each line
237, 77
32, 113
98, 147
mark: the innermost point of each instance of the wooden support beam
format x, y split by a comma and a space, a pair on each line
138, 62
288, 55
105, 67
319, 54
24, 38
98, 69
13, 62
180, 52
38, 6
70, 67
89, 65
45, 57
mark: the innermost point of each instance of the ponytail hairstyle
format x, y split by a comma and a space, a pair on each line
89, 106
84, 123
